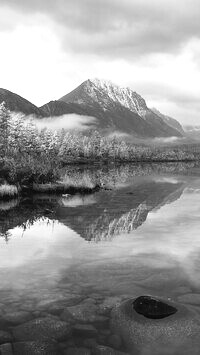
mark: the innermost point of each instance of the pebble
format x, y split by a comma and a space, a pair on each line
42, 328
86, 312
109, 303
35, 348
77, 351
86, 330
90, 343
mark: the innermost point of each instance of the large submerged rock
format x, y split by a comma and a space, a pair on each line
153, 308
148, 325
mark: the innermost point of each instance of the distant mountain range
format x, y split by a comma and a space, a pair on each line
17, 103
115, 109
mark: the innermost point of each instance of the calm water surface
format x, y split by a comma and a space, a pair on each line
139, 235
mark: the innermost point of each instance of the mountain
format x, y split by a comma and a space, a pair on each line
59, 108
17, 103
169, 121
118, 109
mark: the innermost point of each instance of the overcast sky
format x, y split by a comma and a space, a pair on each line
48, 47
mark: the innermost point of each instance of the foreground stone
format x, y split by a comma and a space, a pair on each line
176, 333
42, 328
35, 348
153, 308
77, 351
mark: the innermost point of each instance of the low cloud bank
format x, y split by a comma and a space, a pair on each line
167, 140
68, 121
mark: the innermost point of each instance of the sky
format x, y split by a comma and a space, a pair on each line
49, 47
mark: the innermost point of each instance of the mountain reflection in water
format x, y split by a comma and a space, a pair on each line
138, 235
129, 194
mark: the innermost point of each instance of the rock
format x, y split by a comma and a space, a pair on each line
6, 349
101, 339
86, 330
70, 343
192, 298
59, 301
55, 309
86, 312
42, 328
178, 332
108, 304
105, 332
5, 337
103, 350
115, 341
153, 308
77, 351
96, 296
35, 348
17, 317
90, 343
67, 316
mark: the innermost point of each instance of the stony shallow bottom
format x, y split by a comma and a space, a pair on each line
66, 262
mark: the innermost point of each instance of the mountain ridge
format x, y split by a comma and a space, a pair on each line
115, 101
17, 103
115, 109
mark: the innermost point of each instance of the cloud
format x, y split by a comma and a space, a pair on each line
69, 122
150, 45
118, 28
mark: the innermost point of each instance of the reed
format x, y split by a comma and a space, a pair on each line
8, 191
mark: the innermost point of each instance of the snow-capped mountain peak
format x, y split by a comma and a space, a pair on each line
105, 92
117, 108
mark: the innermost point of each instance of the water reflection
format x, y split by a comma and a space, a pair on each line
129, 194
139, 235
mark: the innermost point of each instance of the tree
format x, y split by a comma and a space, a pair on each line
5, 127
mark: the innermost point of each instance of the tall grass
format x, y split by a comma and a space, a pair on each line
8, 191
79, 181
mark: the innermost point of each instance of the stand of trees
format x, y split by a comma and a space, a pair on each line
29, 155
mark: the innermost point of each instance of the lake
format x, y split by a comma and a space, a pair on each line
72, 258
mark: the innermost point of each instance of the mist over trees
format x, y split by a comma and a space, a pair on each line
29, 154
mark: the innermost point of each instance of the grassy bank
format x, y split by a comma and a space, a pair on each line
64, 188
8, 191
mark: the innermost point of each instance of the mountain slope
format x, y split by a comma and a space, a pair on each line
58, 108
119, 109
17, 103
121, 211
169, 121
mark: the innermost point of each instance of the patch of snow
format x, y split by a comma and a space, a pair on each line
106, 93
